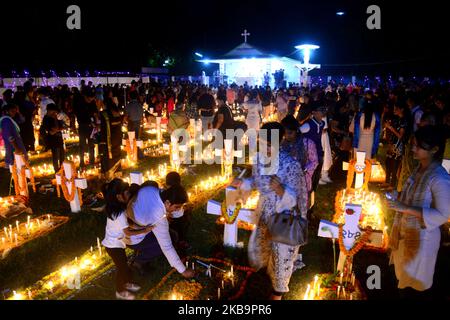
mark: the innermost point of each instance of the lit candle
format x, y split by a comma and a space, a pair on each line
353, 279
50, 286
3, 240
193, 266
48, 217
232, 273
343, 292
223, 285
342, 276
17, 226
6, 231
338, 291
92, 249
351, 296
316, 278
218, 293
318, 290
307, 292
29, 295
38, 223
15, 238
28, 220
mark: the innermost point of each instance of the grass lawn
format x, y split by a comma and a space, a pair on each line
29, 263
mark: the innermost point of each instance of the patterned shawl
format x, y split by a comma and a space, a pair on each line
407, 226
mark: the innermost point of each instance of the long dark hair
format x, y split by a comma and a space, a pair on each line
368, 114
110, 192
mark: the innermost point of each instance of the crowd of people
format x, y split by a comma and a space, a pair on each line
320, 127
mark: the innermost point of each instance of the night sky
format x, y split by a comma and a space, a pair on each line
121, 35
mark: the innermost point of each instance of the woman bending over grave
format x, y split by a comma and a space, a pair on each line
139, 222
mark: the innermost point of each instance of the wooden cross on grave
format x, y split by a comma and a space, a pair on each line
359, 167
134, 145
233, 196
351, 231
22, 183
80, 183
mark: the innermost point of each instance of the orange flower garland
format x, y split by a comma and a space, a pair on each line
357, 246
23, 176
70, 196
351, 173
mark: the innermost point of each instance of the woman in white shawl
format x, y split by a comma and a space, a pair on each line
424, 205
282, 187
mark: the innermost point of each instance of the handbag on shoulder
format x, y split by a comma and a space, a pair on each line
288, 227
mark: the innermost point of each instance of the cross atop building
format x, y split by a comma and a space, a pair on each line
245, 34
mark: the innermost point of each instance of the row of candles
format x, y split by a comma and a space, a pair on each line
315, 291
89, 261
24, 229
207, 184
228, 277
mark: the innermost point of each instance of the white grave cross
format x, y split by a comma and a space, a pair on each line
360, 164
19, 160
351, 231
81, 183
133, 147
233, 196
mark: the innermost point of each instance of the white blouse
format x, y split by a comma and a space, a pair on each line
150, 210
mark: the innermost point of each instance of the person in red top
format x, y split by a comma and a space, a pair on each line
170, 101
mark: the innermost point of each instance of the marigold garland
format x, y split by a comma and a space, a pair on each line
352, 170
18, 189
357, 246
232, 219
70, 196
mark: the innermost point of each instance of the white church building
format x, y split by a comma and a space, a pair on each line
245, 63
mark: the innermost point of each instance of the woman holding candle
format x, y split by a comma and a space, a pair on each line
422, 208
280, 188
